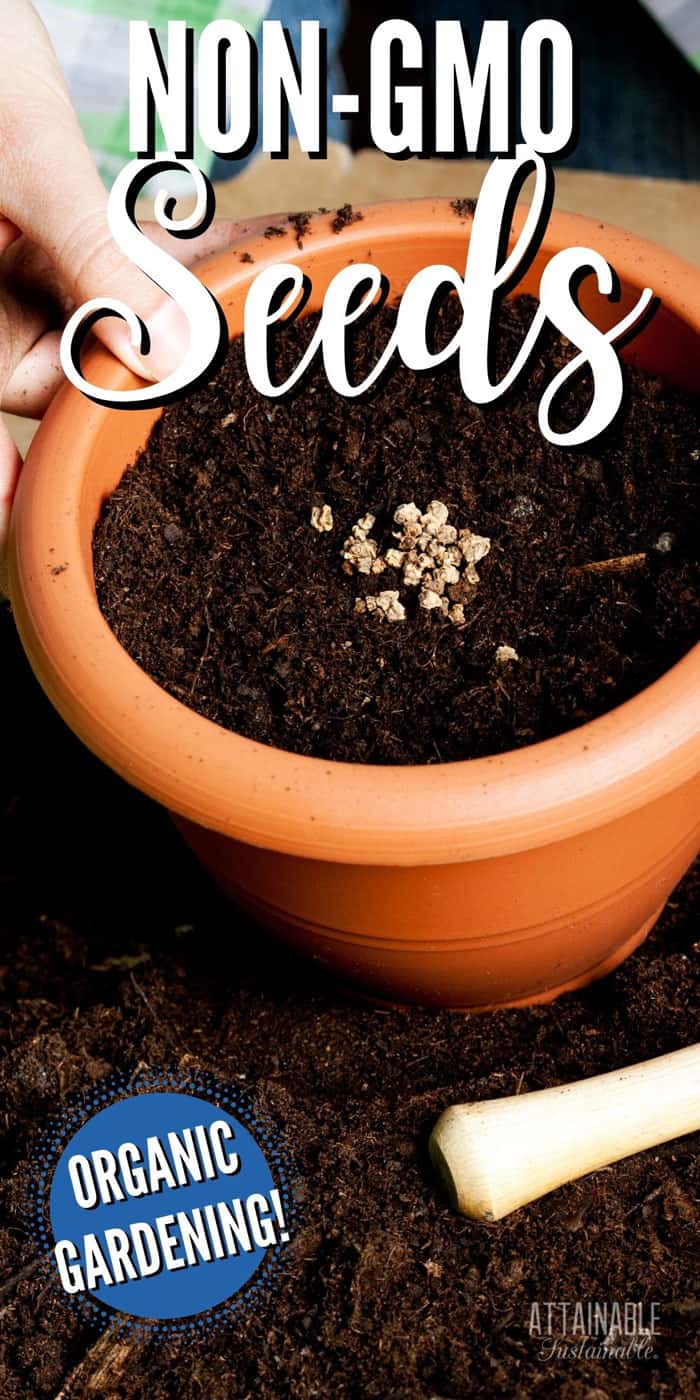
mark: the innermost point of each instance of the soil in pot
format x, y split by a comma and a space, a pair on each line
252, 564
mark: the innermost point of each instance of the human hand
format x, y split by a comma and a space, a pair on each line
56, 250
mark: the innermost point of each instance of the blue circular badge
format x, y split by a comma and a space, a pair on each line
163, 1205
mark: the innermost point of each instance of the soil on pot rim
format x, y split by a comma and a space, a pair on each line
115, 954
211, 575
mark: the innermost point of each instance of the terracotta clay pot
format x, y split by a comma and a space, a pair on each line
497, 881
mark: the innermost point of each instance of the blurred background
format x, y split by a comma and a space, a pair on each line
639, 66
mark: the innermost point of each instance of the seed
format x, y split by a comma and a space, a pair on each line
522, 508
665, 542
407, 514
322, 518
430, 598
389, 605
437, 511
394, 558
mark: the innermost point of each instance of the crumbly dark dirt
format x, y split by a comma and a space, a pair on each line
464, 208
301, 223
115, 953
210, 574
344, 217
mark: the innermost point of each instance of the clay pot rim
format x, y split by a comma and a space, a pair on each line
356, 813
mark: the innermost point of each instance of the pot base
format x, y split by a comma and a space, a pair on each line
593, 974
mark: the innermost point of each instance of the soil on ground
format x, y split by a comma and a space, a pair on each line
115, 953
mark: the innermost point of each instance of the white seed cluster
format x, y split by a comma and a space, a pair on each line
360, 553
432, 556
504, 654
387, 604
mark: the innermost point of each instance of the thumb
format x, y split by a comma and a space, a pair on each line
71, 227
91, 265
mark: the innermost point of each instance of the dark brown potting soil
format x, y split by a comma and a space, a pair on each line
115, 954
212, 577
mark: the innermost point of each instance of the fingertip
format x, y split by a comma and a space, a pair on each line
168, 333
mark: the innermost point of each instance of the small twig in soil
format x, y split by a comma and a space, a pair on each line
651, 1196
140, 992
274, 646
11, 1283
622, 564
100, 1370
205, 652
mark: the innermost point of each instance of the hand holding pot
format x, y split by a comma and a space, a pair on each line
55, 246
